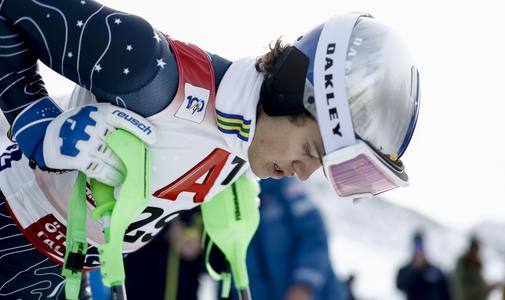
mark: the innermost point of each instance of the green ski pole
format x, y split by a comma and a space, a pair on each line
76, 242
231, 219
118, 214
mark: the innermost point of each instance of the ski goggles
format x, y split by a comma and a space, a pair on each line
354, 167
360, 171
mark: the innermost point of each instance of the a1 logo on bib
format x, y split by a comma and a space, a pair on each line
194, 105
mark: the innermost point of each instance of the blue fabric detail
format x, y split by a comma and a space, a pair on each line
11, 154
73, 130
30, 127
43, 109
232, 116
147, 88
308, 45
286, 242
234, 131
26, 273
99, 291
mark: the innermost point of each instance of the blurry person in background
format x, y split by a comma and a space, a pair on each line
420, 279
168, 268
469, 284
288, 258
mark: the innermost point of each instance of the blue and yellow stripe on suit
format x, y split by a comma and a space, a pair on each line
233, 124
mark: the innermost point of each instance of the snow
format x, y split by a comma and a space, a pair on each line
371, 239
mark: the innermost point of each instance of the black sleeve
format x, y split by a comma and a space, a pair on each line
117, 56
20, 82
445, 287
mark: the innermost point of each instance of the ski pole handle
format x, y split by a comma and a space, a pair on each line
118, 214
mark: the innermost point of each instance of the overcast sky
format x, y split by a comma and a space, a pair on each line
456, 158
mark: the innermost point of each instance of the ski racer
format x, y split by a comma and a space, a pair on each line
344, 96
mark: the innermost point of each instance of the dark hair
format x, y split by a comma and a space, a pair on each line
474, 242
265, 63
418, 235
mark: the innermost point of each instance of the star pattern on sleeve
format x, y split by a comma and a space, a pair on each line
51, 110
75, 40
76, 48
160, 63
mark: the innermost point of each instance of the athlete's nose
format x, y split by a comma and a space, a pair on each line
304, 169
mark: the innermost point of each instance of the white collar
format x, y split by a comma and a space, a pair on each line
237, 99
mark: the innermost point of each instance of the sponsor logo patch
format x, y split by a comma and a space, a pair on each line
143, 127
194, 105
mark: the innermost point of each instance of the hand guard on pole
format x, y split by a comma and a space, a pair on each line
80, 138
75, 139
231, 219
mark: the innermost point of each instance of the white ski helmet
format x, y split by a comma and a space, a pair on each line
357, 78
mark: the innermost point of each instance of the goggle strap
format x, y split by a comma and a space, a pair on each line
334, 114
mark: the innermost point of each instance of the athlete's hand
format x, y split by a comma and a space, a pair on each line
76, 140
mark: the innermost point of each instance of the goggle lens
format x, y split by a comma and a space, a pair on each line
359, 175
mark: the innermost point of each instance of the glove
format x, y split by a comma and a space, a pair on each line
75, 139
